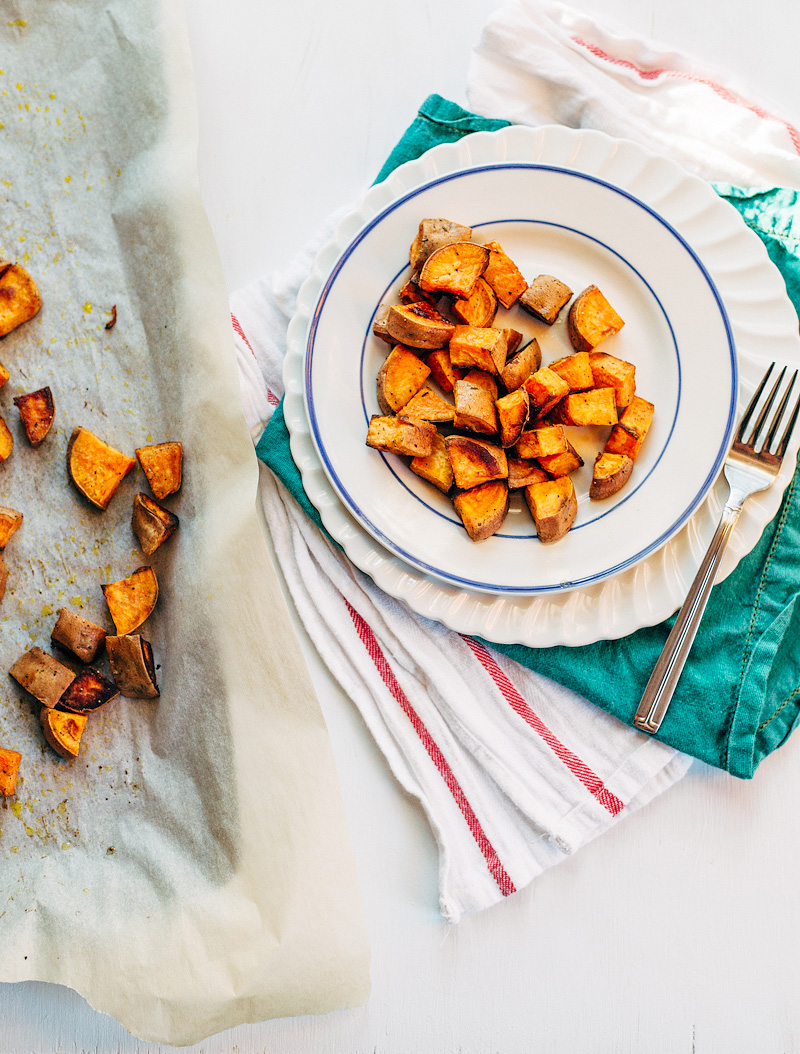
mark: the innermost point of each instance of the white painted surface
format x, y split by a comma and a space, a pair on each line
676, 932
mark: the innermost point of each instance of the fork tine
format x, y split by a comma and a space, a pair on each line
752, 404
788, 431
766, 409
777, 417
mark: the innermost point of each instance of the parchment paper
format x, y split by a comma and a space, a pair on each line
190, 870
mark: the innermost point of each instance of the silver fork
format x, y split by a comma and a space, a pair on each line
747, 471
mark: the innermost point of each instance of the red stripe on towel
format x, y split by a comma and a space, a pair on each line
272, 398
578, 768
720, 89
370, 642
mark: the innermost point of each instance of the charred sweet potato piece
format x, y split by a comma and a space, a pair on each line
545, 389
412, 294
400, 377
562, 463
541, 442
475, 408
436, 467
480, 347
37, 410
475, 461
96, 468
479, 308
419, 326
522, 366
521, 473
553, 506
610, 372
89, 691
610, 474
428, 406
6, 441
77, 635
3, 577
131, 600
401, 435
576, 370
504, 276
10, 520
454, 269
442, 370
20, 299
132, 666
591, 320
483, 509
545, 297
432, 235
598, 406
512, 414
152, 523
9, 769
162, 463
63, 730
43, 676
634, 424
380, 327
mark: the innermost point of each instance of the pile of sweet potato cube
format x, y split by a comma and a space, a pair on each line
505, 428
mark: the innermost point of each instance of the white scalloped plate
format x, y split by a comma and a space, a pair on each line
666, 248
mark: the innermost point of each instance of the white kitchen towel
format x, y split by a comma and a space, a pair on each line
514, 772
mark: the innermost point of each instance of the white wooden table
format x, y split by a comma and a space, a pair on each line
679, 930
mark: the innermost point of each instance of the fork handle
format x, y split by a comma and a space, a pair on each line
667, 671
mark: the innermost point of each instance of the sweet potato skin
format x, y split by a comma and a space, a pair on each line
591, 320
611, 473
545, 297
78, 635
43, 676
132, 667
418, 326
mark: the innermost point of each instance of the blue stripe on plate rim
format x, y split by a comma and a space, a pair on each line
492, 587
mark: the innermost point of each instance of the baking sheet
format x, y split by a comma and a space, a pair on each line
190, 870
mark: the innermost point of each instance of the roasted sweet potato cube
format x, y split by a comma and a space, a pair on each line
162, 464
475, 461
454, 269
479, 308
513, 341
483, 509
483, 380
63, 730
479, 347
627, 437
152, 523
132, 666
442, 370
522, 366
610, 372
475, 408
380, 328
598, 406
19, 297
131, 600
43, 676
401, 435
545, 388
553, 506
400, 378
504, 276
428, 406
610, 474
412, 294
10, 520
9, 769
542, 442
575, 370
436, 467
545, 297
521, 473
96, 468
563, 463
418, 325
77, 635
512, 414
433, 233
591, 320
4, 375
37, 410
6, 441
89, 691
3, 577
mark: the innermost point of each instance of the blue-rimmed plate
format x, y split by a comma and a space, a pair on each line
692, 284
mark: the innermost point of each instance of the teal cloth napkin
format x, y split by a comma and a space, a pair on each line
739, 696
